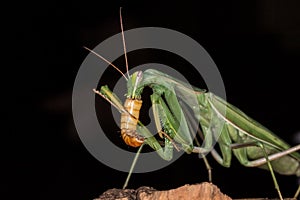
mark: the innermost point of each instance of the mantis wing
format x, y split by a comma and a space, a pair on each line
208, 102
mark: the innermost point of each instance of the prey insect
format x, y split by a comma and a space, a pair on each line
251, 143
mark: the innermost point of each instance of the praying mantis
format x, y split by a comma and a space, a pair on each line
251, 143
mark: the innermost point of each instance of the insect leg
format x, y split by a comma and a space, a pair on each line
109, 96
261, 161
161, 114
242, 156
271, 170
194, 126
283, 161
207, 165
165, 152
132, 166
176, 118
215, 129
167, 111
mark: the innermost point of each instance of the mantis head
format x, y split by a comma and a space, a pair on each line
133, 83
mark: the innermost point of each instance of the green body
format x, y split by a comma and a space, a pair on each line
235, 127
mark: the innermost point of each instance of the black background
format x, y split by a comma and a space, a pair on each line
255, 44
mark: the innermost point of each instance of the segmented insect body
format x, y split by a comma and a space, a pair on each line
129, 122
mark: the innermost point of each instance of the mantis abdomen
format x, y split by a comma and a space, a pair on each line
129, 122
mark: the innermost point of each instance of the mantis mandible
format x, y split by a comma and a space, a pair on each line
251, 143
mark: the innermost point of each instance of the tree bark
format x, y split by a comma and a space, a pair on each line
205, 191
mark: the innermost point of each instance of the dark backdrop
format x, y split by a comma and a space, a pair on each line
255, 45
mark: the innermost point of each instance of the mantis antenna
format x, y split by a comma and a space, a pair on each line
98, 55
123, 40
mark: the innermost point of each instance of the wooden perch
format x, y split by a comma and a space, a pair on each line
205, 191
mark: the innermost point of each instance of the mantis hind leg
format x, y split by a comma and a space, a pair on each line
241, 155
273, 174
271, 170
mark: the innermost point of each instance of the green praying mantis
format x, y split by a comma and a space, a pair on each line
176, 105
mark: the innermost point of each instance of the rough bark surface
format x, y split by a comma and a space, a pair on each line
205, 191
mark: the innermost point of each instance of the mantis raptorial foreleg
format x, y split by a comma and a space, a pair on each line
170, 121
174, 118
161, 115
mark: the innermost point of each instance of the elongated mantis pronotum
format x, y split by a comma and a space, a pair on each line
250, 142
